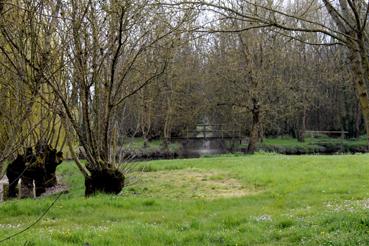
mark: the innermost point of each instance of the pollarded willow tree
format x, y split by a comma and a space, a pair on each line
341, 22
118, 48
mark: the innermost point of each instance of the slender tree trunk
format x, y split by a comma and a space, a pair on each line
254, 134
302, 127
357, 122
167, 127
146, 141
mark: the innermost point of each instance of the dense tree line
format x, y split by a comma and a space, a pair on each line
294, 86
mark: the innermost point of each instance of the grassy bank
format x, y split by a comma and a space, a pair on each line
265, 199
311, 145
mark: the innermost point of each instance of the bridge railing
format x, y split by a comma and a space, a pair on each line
211, 132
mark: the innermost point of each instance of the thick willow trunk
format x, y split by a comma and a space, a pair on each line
360, 85
27, 188
357, 52
107, 180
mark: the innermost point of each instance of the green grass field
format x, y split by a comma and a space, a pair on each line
264, 199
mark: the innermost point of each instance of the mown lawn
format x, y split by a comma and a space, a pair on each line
264, 199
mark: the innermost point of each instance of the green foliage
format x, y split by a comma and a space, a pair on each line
292, 200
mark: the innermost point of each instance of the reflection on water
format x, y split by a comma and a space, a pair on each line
203, 147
